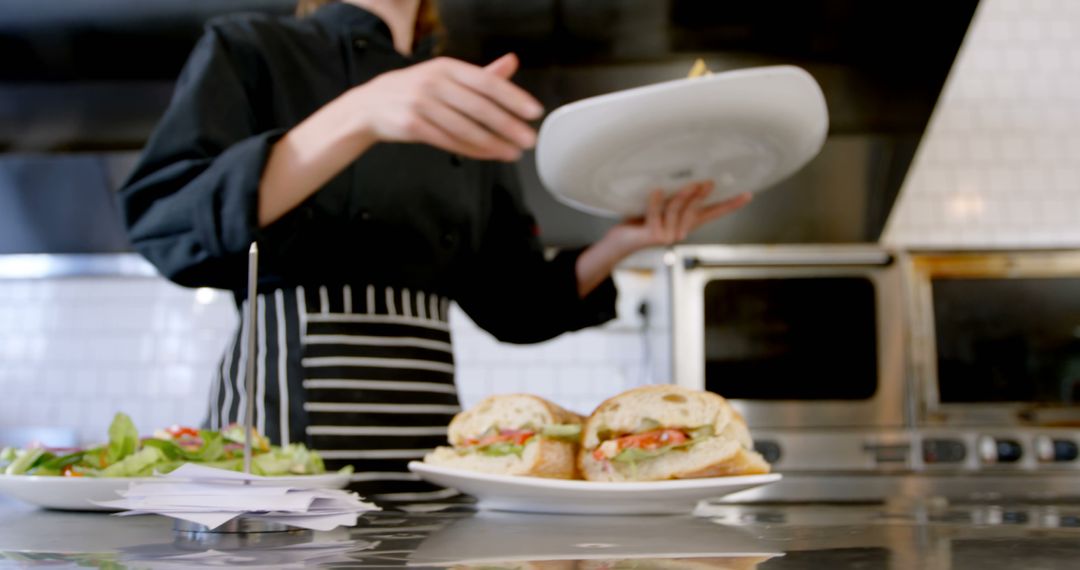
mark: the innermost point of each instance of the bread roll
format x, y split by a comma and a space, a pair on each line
695, 434
540, 456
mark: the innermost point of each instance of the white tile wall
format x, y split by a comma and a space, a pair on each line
576, 370
75, 351
1000, 163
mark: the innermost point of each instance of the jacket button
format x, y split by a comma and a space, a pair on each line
455, 160
449, 239
365, 215
360, 43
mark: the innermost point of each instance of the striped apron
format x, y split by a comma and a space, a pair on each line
362, 374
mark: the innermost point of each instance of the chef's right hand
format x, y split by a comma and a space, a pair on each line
459, 107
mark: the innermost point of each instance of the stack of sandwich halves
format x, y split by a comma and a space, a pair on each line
651, 433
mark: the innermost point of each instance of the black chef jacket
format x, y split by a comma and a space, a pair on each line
402, 215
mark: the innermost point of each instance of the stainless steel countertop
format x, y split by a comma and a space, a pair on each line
767, 537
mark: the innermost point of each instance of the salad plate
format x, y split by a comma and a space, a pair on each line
71, 478
76, 493
539, 495
744, 130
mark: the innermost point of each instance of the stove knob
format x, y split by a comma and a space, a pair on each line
769, 450
1050, 450
943, 451
995, 450
987, 449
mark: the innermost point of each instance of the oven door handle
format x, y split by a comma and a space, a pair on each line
846, 259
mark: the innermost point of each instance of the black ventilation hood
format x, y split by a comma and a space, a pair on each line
91, 78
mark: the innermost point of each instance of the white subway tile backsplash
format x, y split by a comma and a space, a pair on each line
1010, 114
75, 351
539, 378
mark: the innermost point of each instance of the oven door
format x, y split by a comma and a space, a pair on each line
796, 336
996, 338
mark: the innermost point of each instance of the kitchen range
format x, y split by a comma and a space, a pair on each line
869, 373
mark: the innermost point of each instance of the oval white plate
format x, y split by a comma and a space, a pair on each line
75, 493
745, 130
539, 495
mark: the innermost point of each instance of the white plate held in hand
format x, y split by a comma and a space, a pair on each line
539, 495
745, 130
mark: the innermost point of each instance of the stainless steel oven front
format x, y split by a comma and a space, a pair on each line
867, 374
995, 338
796, 337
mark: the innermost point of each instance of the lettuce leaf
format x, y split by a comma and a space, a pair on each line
213, 447
56, 464
701, 432
293, 459
123, 438
235, 434
634, 454
138, 464
25, 461
570, 433
501, 449
170, 450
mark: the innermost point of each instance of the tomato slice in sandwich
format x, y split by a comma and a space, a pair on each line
516, 437
647, 441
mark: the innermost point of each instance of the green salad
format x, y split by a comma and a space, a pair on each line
128, 455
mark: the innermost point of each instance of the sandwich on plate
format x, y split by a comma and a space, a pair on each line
513, 434
655, 433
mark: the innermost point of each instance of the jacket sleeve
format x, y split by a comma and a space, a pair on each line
191, 203
516, 294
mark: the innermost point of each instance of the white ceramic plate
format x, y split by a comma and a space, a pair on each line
539, 495
75, 493
745, 130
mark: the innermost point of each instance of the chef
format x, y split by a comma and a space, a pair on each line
376, 181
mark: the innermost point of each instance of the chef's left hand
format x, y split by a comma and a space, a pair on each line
667, 220
670, 220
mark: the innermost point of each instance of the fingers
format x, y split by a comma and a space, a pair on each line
488, 114
505, 67
667, 221
674, 211
654, 214
425, 131
689, 215
469, 138
496, 88
721, 209
683, 212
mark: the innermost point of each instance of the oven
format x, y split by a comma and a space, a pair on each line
995, 359
866, 373
796, 336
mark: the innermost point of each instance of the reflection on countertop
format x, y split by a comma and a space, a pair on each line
925, 535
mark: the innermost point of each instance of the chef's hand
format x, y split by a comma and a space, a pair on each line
459, 107
670, 220
667, 220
